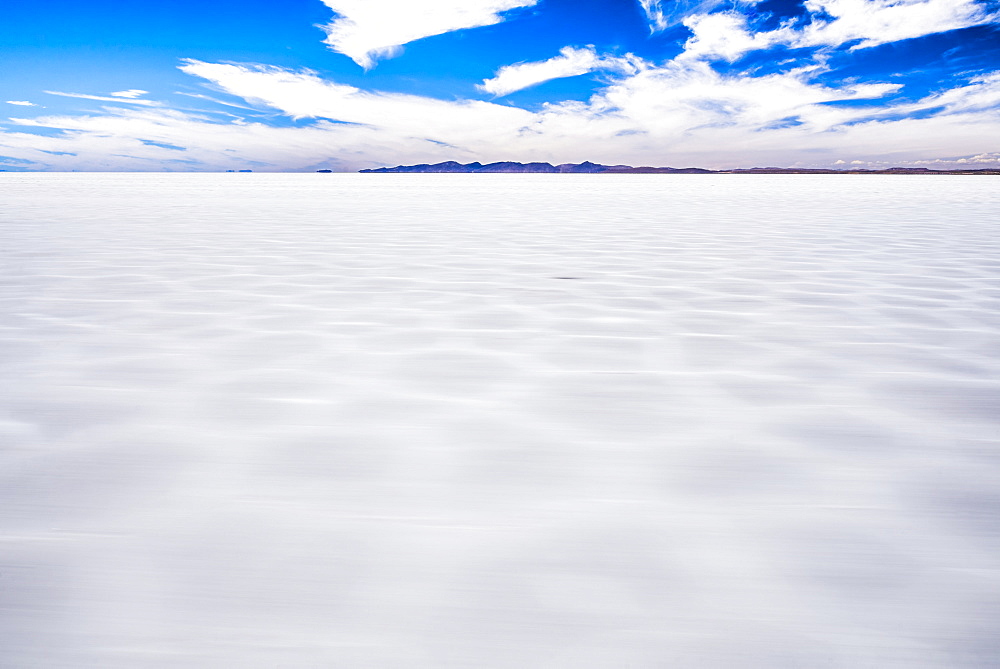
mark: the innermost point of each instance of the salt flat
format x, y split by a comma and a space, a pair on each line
566, 421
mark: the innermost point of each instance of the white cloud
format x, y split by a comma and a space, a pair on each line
978, 161
305, 95
725, 35
877, 22
986, 159
689, 104
663, 14
21, 103
680, 114
131, 93
980, 94
119, 140
367, 30
655, 15
867, 22
569, 63
102, 98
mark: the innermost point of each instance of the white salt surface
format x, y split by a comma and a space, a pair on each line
476, 421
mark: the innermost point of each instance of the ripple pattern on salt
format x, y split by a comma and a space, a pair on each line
451, 421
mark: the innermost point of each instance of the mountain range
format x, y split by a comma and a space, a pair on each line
588, 167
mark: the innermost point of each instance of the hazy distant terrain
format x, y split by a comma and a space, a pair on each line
255, 420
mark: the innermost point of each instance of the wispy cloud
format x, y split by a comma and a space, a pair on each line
217, 101
103, 98
306, 95
367, 30
21, 103
682, 112
138, 139
876, 22
570, 62
679, 114
663, 14
690, 105
833, 23
131, 93
654, 13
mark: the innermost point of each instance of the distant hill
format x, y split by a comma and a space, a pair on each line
588, 167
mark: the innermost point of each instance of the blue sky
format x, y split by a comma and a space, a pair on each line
302, 85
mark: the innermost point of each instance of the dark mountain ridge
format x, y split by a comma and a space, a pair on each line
588, 167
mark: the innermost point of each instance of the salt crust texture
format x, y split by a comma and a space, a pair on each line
255, 420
